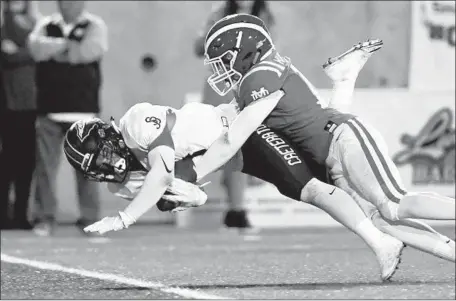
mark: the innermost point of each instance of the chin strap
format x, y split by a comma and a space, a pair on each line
115, 127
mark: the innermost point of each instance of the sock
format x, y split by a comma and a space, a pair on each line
342, 93
426, 206
340, 206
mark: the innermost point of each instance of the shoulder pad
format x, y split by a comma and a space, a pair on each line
142, 124
260, 81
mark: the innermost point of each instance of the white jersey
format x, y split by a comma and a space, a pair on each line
193, 128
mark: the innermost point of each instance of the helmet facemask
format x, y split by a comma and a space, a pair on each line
111, 162
224, 77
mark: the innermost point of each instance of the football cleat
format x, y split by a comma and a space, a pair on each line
348, 65
389, 256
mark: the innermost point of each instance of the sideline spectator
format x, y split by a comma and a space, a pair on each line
18, 112
68, 47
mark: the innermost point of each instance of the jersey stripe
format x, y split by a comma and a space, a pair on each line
273, 64
261, 68
377, 164
382, 157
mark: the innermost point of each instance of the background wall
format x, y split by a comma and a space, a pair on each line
308, 32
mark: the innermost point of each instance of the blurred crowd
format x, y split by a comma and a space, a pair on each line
50, 77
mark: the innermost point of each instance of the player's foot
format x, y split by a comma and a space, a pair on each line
348, 65
239, 220
44, 227
389, 256
452, 257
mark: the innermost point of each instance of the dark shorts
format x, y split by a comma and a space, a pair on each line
270, 157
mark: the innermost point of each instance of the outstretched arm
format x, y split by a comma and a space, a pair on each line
240, 130
155, 184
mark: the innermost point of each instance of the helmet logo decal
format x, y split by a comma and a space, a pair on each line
215, 35
238, 39
80, 127
260, 43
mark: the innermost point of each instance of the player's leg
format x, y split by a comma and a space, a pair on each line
236, 216
24, 156
361, 153
418, 235
340, 206
49, 138
413, 233
7, 142
294, 179
344, 69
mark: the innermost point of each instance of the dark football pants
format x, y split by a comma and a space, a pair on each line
50, 137
267, 162
17, 160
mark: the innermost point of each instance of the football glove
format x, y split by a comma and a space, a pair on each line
184, 195
114, 223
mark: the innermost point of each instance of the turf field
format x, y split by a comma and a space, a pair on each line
161, 262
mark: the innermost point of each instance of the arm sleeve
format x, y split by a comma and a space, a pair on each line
42, 47
93, 46
144, 126
259, 83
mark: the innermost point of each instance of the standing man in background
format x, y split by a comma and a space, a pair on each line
235, 182
68, 47
18, 111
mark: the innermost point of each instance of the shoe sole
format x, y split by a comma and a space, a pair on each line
369, 46
396, 267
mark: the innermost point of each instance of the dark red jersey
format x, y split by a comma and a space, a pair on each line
299, 115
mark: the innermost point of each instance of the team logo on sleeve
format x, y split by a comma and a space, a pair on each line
156, 121
259, 94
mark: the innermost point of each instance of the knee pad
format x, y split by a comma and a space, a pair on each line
389, 210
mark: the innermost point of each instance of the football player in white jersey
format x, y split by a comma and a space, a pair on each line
158, 136
137, 158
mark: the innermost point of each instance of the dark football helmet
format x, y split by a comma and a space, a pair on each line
232, 47
97, 149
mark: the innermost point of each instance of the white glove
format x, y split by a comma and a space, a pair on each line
115, 223
186, 194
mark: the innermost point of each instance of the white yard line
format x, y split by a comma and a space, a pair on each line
186, 293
